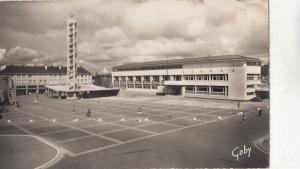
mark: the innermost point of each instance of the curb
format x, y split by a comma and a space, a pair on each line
259, 144
50, 162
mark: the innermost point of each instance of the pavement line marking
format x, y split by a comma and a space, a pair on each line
149, 136
135, 127
50, 162
142, 138
73, 139
115, 123
66, 125
54, 132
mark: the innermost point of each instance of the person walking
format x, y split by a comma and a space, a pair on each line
88, 114
139, 110
244, 117
260, 111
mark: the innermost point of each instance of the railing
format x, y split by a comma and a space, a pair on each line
218, 93
123, 81
130, 82
137, 82
202, 93
189, 91
146, 82
155, 82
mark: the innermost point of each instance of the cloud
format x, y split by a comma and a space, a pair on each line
2, 52
114, 32
23, 55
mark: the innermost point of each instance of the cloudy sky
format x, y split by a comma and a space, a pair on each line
112, 32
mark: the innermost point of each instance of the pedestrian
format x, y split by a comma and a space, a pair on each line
139, 110
88, 114
260, 112
244, 117
238, 105
35, 101
18, 105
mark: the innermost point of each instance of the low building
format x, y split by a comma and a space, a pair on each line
232, 77
102, 79
7, 90
34, 79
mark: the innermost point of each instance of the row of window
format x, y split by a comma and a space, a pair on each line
217, 77
137, 86
51, 76
207, 90
251, 77
45, 81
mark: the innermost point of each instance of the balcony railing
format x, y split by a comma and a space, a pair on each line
116, 82
129, 82
218, 94
202, 93
123, 82
155, 82
146, 82
137, 82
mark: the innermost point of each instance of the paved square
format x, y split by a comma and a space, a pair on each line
46, 129
83, 123
102, 128
64, 135
126, 135
135, 122
159, 128
85, 144
185, 122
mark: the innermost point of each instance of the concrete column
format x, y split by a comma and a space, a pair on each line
209, 89
26, 90
183, 91
172, 78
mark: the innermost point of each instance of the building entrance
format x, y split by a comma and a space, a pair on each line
174, 90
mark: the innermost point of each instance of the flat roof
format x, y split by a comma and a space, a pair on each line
188, 60
17, 69
65, 88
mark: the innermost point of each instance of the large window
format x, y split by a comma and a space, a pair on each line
146, 86
218, 77
177, 78
166, 77
218, 90
204, 90
189, 77
138, 78
250, 86
203, 77
189, 89
156, 78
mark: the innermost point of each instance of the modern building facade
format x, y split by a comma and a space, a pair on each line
32, 79
231, 77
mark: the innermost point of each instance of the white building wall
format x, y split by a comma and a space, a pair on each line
236, 70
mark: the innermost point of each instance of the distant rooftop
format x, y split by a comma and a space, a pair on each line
14, 69
188, 60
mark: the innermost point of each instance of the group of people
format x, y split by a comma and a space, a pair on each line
244, 117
